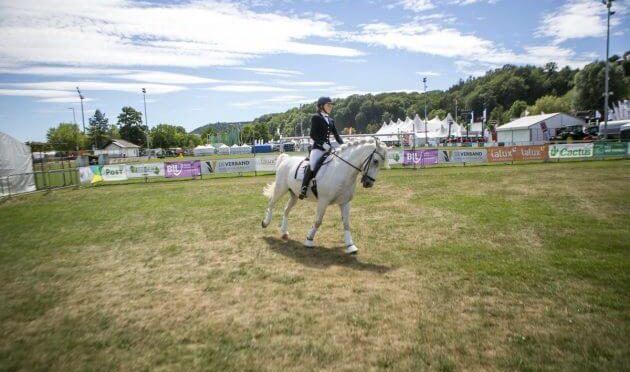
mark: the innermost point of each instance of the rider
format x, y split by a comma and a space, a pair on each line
322, 126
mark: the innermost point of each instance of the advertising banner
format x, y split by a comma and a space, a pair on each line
266, 163
610, 149
571, 150
144, 170
420, 157
235, 165
91, 174
114, 172
395, 157
182, 169
463, 156
207, 167
517, 153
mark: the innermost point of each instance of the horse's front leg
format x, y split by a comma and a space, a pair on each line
345, 215
321, 210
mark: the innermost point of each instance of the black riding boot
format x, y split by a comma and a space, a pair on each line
307, 179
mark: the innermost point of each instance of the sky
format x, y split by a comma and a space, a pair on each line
209, 61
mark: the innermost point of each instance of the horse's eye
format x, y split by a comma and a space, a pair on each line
375, 162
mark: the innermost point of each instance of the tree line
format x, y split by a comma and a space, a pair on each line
129, 127
506, 93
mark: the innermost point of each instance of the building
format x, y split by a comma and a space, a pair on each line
118, 148
535, 128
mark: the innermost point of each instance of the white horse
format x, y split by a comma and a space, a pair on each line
336, 183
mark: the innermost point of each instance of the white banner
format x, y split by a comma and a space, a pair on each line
463, 156
235, 165
395, 157
144, 170
570, 150
266, 163
114, 172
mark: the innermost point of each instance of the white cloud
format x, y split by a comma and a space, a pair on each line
428, 73
579, 19
306, 83
167, 78
127, 33
413, 5
52, 96
64, 100
451, 43
272, 71
86, 86
248, 88
287, 100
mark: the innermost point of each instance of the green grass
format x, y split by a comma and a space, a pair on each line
521, 267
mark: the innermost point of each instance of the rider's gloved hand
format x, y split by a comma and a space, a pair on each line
326, 146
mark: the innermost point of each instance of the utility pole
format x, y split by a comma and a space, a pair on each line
426, 128
146, 118
74, 118
82, 113
608, 4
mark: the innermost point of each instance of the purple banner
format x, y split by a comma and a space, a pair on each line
182, 169
420, 157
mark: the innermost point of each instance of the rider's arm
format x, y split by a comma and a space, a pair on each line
337, 136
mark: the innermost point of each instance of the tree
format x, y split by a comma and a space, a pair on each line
589, 86
248, 134
498, 114
548, 105
66, 137
131, 127
516, 110
167, 136
209, 131
439, 113
99, 131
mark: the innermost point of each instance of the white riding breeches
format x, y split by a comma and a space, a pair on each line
316, 154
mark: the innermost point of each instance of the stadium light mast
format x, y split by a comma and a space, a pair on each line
82, 113
146, 118
74, 117
609, 12
426, 128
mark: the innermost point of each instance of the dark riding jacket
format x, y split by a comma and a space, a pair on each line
321, 130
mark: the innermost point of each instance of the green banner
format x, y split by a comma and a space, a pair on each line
610, 149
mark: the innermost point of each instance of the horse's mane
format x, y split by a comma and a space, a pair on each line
351, 145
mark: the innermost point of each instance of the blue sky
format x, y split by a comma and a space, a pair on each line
208, 61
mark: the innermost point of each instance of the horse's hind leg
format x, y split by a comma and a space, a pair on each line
285, 218
321, 210
277, 192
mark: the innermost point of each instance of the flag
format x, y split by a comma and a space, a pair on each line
472, 117
484, 115
597, 115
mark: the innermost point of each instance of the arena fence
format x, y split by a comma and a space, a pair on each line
62, 176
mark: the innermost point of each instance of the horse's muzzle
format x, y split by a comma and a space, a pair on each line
367, 184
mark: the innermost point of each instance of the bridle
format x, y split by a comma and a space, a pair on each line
365, 165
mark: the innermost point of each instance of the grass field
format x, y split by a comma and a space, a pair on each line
480, 268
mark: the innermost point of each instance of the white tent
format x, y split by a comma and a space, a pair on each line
223, 149
16, 167
236, 149
204, 150
530, 128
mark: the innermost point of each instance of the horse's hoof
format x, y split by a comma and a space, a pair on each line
309, 243
264, 226
351, 249
285, 237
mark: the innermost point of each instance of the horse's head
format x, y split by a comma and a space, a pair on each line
376, 160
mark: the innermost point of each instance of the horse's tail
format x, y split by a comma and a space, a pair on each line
269, 189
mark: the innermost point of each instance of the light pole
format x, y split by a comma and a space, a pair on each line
609, 12
74, 118
426, 128
146, 118
82, 113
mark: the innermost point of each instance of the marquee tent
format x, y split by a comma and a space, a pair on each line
16, 167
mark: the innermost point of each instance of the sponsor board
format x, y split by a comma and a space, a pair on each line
114, 172
182, 169
266, 163
235, 165
570, 150
420, 157
462, 156
145, 170
91, 174
395, 157
610, 149
517, 153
